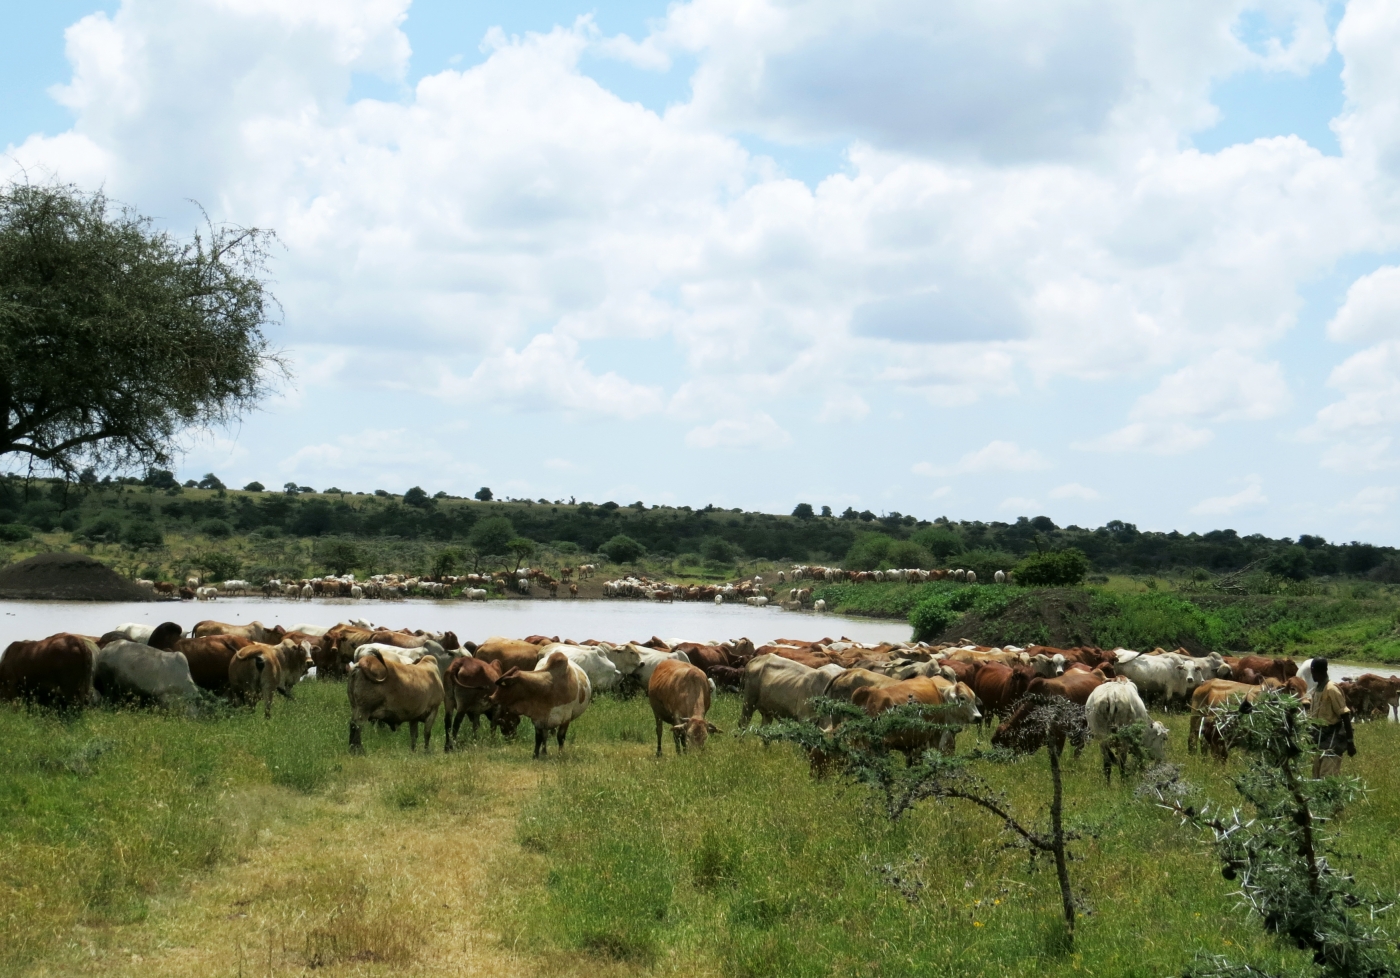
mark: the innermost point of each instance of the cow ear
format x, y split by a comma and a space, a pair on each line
712, 728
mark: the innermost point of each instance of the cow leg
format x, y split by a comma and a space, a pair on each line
267, 704
356, 747
287, 693
541, 743
428, 730
1107, 753
560, 734
413, 735
658, 736
679, 738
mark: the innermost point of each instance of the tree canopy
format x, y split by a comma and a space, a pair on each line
115, 337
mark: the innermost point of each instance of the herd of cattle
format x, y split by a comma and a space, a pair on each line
471, 587
756, 591
400, 677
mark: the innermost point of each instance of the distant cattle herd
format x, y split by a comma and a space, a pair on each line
397, 677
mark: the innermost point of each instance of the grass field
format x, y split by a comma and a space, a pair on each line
144, 844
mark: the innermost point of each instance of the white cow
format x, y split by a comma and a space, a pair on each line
602, 674
474, 594
1110, 708
1162, 678
819, 606
135, 632
781, 689
130, 670
999, 577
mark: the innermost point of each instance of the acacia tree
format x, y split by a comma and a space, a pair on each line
115, 337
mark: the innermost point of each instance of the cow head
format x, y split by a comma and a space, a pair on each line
695, 730
1155, 740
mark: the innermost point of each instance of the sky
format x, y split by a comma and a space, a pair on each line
1088, 259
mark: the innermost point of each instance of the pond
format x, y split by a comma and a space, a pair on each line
610, 621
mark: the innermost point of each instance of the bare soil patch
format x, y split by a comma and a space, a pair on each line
67, 577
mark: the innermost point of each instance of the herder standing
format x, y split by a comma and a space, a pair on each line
1328, 709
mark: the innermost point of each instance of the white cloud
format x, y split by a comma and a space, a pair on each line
1153, 439
1225, 386
1371, 501
1019, 504
547, 375
1371, 310
757, 431
843, 407
1250, 497
1073, 490
1360, 456
995, 456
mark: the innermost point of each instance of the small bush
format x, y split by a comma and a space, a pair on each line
14, 532
932, 616
1059, 568
142, 533
217, 529
622, 549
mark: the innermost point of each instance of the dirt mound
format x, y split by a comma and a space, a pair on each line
1060, 617
67, 577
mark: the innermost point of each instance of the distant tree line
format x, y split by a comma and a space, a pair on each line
109, 508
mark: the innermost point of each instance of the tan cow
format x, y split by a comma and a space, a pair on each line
258, 670
1212, 695
680, 696
509, 653
553, 694
383, 691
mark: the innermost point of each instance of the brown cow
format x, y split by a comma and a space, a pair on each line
209, 659
1074, 686
54, 671
337, 650
1026, 731
679, 694
509, 653
552, 695
388, 692
999, 687
254, 631
467, 690
1370, 694
1281, 669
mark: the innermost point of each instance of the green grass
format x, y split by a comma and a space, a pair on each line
738, 862
733, 861
1346, 621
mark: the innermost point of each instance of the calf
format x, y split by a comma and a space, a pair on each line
467, 690
1112, 707
384, 691
55, 671
553, 695
679, 694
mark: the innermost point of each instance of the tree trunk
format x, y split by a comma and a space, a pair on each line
1057, 837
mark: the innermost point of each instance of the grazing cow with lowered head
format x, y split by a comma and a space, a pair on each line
54, 671
1207, 701
125, 670
553, 695
952, 705
467, 690
679, 694
1110, 708
509, 653
1074, 686
388, 692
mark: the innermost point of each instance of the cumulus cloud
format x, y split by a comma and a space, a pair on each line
1250, 497
995, 456
1019, 504
758, 431
1014, 209
547, 375
1371, 310
1371, 501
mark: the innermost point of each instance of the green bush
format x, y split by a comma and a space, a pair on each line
142, 533
718, 550
491, 536
932, 616
942, 543
215, 528
1059, 568
622, 549
14, 532
1291, 563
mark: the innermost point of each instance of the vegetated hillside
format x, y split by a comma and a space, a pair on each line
137, 514
1359, 620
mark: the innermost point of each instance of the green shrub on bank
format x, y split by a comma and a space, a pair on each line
1058, 568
